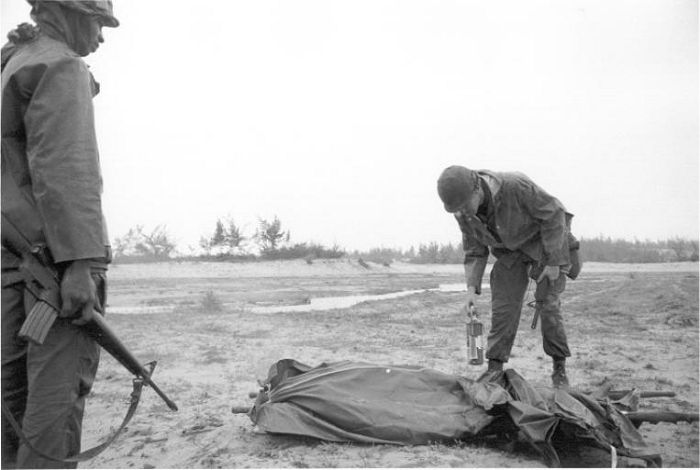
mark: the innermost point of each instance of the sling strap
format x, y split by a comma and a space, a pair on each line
94, 451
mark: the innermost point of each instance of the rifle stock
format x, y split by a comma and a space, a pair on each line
42, 280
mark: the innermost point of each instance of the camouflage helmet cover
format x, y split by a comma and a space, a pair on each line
100, 8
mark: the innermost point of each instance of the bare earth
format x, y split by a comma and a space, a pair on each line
631, 325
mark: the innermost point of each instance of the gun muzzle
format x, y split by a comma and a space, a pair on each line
104, 335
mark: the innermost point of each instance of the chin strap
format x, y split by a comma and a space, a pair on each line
94, 451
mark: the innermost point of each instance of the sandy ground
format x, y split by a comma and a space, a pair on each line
630, 325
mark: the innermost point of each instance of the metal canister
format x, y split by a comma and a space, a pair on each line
475, 340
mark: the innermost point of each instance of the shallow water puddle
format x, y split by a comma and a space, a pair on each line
314, 304
318, 303
347, 301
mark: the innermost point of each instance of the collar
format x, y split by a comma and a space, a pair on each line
492, 180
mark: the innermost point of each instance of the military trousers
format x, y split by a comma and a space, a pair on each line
509, 280
44, 386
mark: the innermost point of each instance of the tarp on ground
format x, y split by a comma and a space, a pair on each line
409, 405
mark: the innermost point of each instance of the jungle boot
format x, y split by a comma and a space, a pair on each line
493, 373
559, 379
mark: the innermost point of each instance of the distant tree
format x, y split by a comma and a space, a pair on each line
219, 236
233, 235
684, 250
205, 244
694, 256
411, 253
137, 243
157, 243
125, 245
270, 234
435, 253
227, 238
428, 253
384, 256
606, 249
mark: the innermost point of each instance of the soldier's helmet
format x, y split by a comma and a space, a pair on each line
455, 186
100, 8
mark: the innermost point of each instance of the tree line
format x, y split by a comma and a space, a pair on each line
227, 242
610, 250
269, 241
598, 249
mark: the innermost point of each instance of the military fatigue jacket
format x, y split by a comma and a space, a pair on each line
522, 218
51, 179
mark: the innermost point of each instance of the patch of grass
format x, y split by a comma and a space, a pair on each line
364, 456
663, 381
267, 454
254, 334
214, 355
210, 302
155, 302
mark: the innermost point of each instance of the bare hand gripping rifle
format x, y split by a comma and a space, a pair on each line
43, 282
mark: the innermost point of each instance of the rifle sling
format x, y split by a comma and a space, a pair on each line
90, 453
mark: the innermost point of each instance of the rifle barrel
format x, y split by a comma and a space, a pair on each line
110, 342
535, 317
661, 416
617, 394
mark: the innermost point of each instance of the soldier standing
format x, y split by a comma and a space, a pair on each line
528, 231
51, 190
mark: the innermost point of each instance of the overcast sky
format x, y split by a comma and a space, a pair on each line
338, 116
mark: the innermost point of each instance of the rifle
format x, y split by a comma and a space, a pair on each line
639, 417
618, 394
535, 317
43, 282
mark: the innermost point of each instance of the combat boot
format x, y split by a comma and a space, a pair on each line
559, 379
494, 371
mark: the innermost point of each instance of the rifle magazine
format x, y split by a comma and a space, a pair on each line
38, 322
